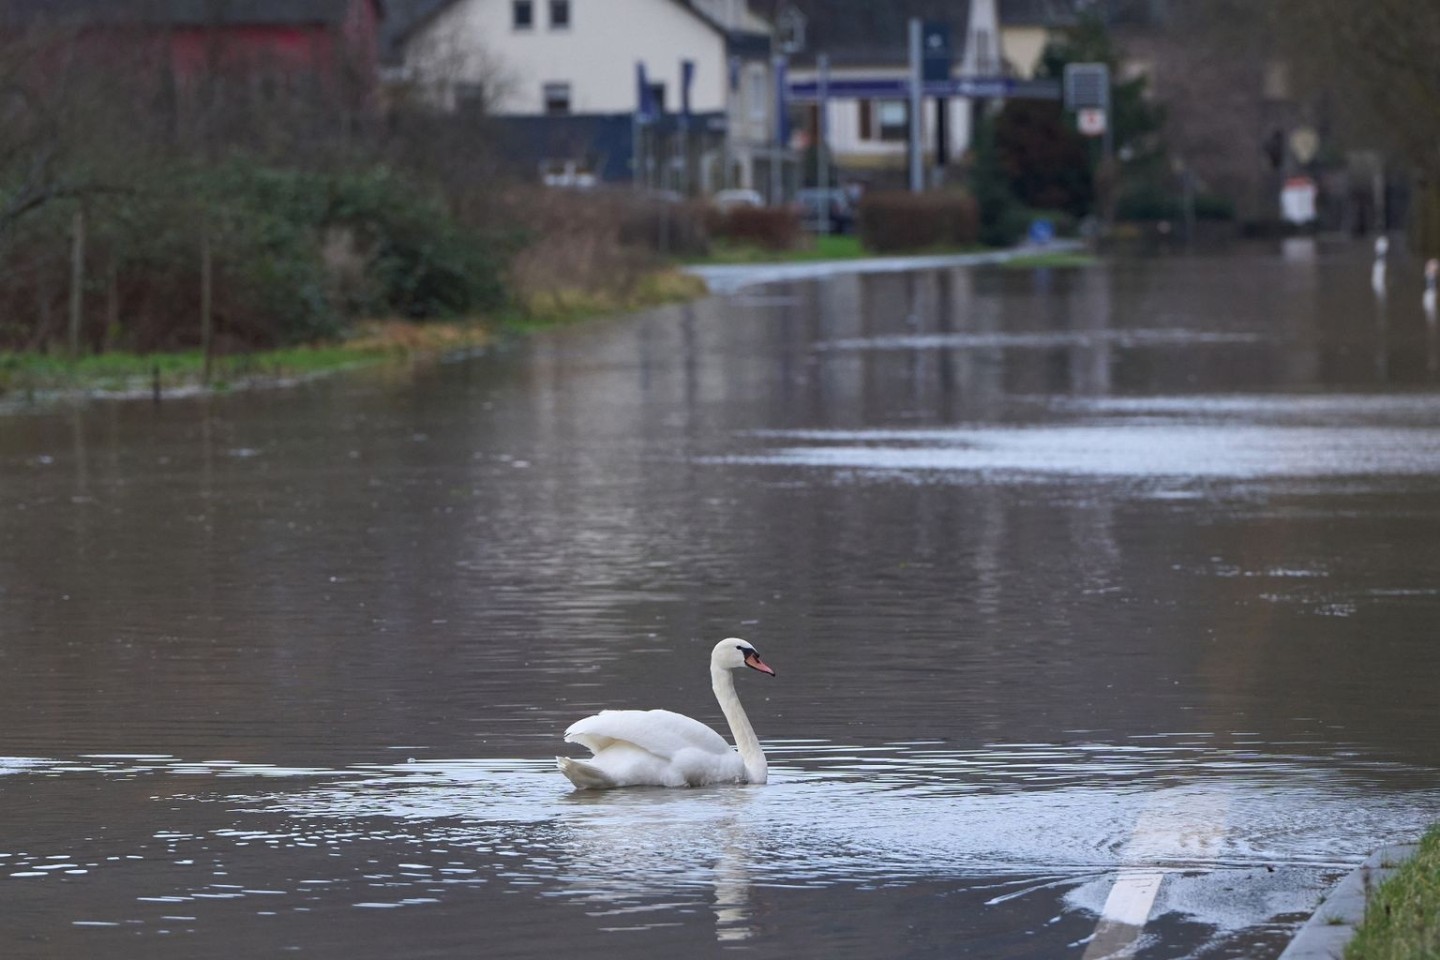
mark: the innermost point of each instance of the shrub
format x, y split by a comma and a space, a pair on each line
594, 247
1147, 202
894, 221
421, 262
664, 226
771, 228
1210, 206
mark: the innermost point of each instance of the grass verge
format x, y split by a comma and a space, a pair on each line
557, 306
1402, 918
1051, 258
829, 247
848, 248
118, 374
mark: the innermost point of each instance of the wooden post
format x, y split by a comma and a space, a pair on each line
77, 280
112, 305
206, 294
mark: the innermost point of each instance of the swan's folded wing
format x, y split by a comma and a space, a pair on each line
660, 732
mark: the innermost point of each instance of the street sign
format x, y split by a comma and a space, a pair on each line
898, 88
1087, 85
935, 51
1091, 121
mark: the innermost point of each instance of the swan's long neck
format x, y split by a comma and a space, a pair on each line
746, 742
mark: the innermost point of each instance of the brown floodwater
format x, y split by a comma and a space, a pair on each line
1086, 588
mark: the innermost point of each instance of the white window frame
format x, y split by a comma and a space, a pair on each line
555, 87
569, 14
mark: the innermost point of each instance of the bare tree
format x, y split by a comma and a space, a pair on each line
1382, 56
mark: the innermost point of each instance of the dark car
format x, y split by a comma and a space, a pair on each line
817, 205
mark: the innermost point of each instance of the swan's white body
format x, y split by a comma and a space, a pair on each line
659, 748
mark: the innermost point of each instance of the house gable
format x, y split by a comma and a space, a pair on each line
592, 60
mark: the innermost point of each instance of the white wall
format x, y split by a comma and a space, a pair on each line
473, 41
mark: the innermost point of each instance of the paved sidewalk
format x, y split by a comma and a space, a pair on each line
1333, 924
734, 277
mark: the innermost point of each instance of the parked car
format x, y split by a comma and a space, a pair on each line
730, 199
818, 204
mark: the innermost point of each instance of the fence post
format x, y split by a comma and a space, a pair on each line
206, 303
77, 280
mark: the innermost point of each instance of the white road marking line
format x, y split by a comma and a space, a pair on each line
1123, 918
1179, 824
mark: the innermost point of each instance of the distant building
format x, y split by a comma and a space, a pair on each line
568, 73
336, 39
869, 136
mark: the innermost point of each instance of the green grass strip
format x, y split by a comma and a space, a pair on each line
1054, 258
1402, 918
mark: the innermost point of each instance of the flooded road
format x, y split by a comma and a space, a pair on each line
1102, 602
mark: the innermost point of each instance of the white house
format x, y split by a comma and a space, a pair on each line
583, 58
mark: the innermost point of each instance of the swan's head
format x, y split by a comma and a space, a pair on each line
1432, 269
732, 653
1382, 246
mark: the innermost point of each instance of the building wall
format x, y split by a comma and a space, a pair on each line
857, 145
195, 50
1022, 48
475, 42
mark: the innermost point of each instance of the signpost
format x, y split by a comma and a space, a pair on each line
1087, 92
822, 142
917, 173
898, 88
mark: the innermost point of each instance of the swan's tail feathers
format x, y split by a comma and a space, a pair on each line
584, 775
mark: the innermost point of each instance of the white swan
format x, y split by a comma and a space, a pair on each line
657, 748
1427, 299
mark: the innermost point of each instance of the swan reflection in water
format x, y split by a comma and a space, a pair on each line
636, 856
1427, 303
640, 845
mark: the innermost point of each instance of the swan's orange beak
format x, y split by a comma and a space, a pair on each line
753, 661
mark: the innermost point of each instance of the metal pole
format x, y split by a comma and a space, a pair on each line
777, 157
917, 148
635, 148
822, 141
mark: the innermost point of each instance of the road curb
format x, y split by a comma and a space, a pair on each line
1332, 926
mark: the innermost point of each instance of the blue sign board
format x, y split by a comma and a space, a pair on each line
935, 51
898, 88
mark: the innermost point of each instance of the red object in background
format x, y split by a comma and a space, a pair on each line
329, 39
